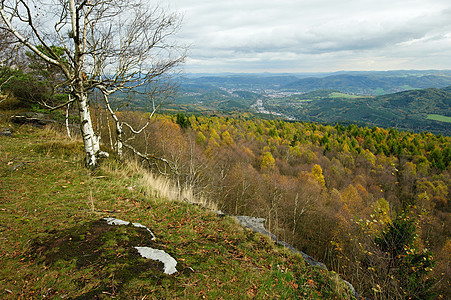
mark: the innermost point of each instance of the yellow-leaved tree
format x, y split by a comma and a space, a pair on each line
267, 162
317, 172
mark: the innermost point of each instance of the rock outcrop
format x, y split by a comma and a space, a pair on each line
257, 225
32, 118
147, 252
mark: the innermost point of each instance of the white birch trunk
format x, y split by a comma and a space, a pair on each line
67, 120
119, 145
90, 140
118, 124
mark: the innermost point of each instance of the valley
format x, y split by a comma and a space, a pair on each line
404, 100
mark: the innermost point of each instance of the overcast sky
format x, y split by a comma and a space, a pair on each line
315, 35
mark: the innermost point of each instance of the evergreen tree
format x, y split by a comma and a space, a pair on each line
183, 121
408, 266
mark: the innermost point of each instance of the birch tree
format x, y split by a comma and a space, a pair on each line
111, 46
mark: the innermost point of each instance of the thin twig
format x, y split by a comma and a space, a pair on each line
92, 201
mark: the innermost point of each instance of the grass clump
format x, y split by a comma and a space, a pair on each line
64, 149
55, 244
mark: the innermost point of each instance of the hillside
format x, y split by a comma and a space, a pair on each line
329, 190
55, 243
408, 110
414, 110
372, 84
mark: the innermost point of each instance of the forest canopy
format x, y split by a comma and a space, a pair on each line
372, 203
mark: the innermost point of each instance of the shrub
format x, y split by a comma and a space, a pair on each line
26, 88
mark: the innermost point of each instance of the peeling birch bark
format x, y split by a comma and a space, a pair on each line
67, 120
90, 139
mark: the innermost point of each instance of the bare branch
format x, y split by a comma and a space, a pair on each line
149, 158
26, 42
59, 106
1, 85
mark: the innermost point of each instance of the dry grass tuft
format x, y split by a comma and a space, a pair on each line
157, 186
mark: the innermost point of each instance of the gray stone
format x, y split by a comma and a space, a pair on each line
147, 252
114, 221
255, 224
353, 291
310, 260
6, 132
32, 118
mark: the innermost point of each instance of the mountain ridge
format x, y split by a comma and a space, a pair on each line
358, 82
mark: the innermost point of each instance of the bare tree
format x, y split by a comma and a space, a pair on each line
112, 46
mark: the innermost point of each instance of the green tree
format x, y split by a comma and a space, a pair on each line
407, 264
25, 87
50, 75
436, 159
183, 121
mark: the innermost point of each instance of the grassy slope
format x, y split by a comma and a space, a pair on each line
439, 118
52, 243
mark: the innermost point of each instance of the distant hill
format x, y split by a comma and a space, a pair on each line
246, 82
408, 110
362, 83
410, 100
370, 84
429, 100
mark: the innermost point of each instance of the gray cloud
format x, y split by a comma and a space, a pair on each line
315, 35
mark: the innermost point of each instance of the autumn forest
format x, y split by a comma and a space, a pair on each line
371, 203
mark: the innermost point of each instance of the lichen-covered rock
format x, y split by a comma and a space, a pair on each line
114, 221
310, 260
148, 252
256, 224
155, 254
33, 118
